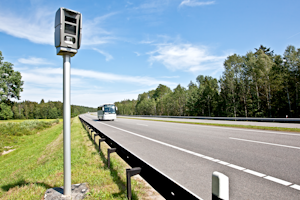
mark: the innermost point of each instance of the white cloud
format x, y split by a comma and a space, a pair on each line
137, 53
108, 57
186, 57
146, 41
78, 97
94, 33
293, 35
37, 27
36, 94
170, 76
53, 76
97, 98
34, 61
149, 81
152, 6
41, 79
195, 3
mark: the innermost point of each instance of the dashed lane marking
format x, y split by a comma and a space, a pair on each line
277, 180
142, 124
236, 167
254, 173
297, 187
273, 144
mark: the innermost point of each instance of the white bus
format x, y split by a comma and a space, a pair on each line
107, 112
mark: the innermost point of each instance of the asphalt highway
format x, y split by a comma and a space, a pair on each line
260, 164
251, 123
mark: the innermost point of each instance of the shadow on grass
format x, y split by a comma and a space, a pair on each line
113, 172
23, 183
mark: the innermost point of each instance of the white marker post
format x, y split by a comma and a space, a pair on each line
220, 186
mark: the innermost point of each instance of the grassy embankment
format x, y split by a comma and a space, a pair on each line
37, 164
225, 125
10, 133
22, 120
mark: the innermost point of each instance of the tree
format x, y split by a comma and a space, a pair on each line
160, 91
264, 65
5, 111
292, 63
207, 94
53, 113
10, 81
192, 97
179, 101
146, 107
10, 87
266, 50
232, 80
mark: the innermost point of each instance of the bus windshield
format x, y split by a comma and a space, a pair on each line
110, 109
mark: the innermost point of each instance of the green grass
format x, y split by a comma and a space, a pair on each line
37, 165
226, 125
10, 132
21, 120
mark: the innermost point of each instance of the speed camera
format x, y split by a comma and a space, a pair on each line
68, 26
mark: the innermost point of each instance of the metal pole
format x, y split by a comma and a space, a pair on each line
67, 124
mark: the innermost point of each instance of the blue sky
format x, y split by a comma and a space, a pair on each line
132, 46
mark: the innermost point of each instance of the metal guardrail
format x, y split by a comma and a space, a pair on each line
168, 188
287, 120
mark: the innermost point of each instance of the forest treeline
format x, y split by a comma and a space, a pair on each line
42, 110
258, 84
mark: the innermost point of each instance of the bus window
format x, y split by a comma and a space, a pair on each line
109, 109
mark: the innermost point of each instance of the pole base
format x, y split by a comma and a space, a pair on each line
78, 192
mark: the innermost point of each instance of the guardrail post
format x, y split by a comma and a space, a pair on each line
220, 186
95, 135
109, 151
91, 132
129, 174
101, 140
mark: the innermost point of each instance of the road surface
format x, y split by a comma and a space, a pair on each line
260, 164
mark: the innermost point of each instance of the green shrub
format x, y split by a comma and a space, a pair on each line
9, 132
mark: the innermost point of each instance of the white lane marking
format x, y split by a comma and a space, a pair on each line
277, 180
280, 145
224, 163
216, 160
236, 167
208, 158
297, 187
286, 183
142, 124
254, 173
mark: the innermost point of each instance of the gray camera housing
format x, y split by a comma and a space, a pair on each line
68, 28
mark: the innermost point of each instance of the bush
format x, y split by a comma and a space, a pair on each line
5, 111
9, 131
